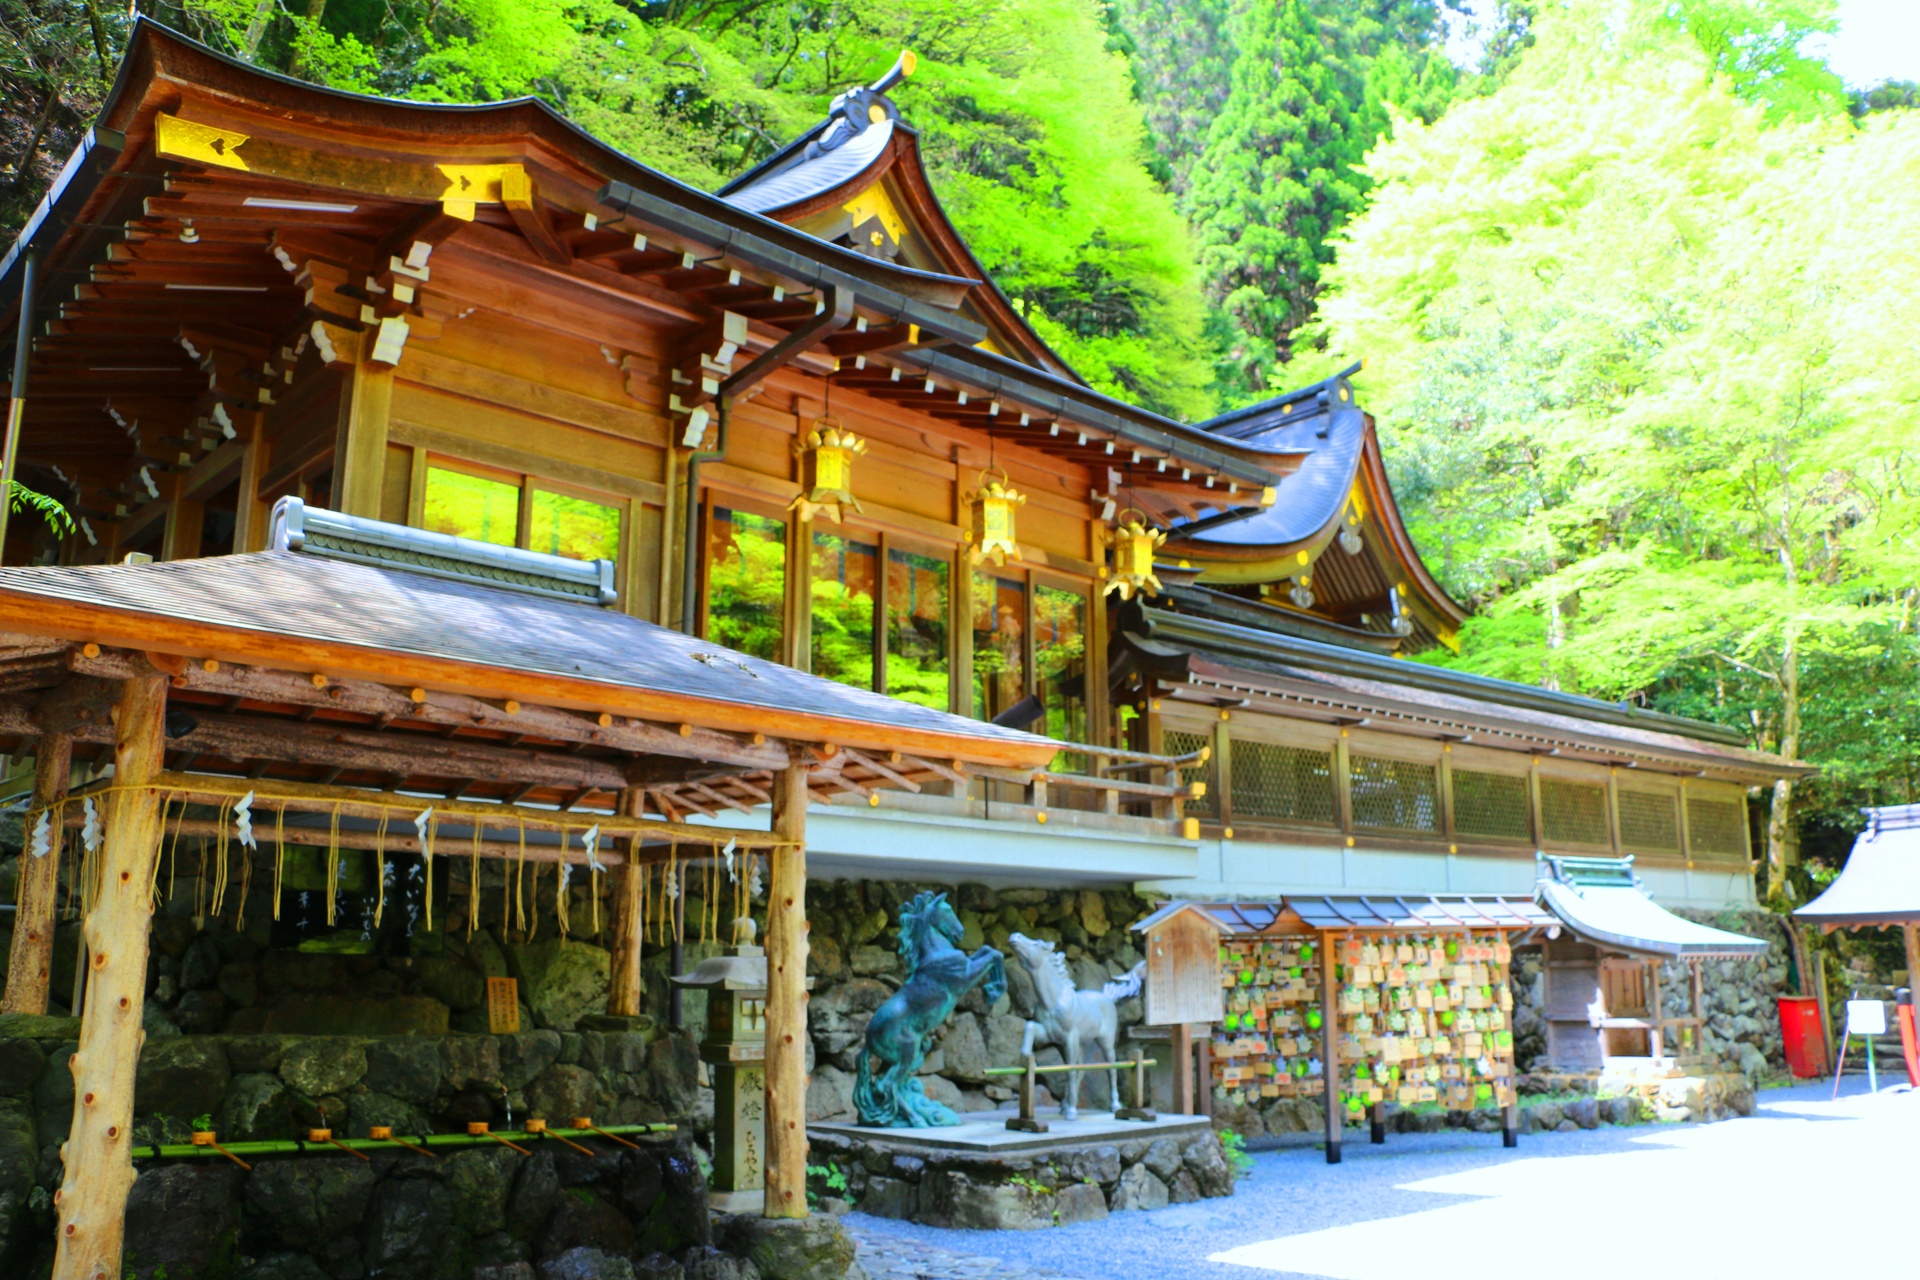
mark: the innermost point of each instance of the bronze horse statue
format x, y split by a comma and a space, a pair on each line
887, 1091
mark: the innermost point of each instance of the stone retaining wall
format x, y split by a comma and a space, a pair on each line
1020, 1191
855, 967
263, 1086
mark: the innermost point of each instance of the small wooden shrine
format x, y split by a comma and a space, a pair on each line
1604, 1004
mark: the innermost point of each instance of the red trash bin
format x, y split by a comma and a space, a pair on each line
1804, 1038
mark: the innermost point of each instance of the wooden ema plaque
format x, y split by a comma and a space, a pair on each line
503, 1006
1183, 970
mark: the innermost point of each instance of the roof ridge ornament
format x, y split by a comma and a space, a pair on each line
295, 526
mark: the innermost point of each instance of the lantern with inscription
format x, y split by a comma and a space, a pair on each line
826, 480
994, 505
736, 1048
1134, 545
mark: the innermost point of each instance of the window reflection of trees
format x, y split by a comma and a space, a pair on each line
918, 664
746, 582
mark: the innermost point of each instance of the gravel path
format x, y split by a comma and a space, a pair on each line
1457, 1205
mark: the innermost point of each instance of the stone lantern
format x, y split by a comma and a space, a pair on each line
736, 1048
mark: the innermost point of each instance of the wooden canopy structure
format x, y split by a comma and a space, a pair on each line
1879, 887
1330, 979
325, 682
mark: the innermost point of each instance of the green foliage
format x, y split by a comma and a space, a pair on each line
1264, 147
822, 1179
50, 509
1642, 403
1234, 1146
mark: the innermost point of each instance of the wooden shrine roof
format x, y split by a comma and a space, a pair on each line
1880, 883
181, 280
1217, 663
1336, 524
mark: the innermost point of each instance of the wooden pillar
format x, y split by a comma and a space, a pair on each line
360, 446
92, 1201
1656, 1011
30, 969
1183, 1069
625, 985
1329, 1048
787, 1001
250, 514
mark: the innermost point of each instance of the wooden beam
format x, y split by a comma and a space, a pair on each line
361, 803
30, 967
626, 984
787, 1000
423, 231
453, 710
522, 199
92, 1200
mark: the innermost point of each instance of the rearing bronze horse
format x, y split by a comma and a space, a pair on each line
901, 1030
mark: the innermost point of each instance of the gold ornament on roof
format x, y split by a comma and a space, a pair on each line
1134, 545
826, 455
994, 503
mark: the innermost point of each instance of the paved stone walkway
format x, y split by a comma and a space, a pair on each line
891, 1257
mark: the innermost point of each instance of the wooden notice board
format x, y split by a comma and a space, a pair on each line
1183, 970
503, 1006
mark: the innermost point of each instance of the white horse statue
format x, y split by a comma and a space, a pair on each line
1069, 1018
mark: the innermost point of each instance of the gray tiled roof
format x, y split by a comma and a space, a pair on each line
810, 177
283, 593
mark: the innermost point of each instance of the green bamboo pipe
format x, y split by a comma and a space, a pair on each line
294, 1147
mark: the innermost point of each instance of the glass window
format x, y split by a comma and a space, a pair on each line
470, 506
563, 525
746, 582
844, 580
917, 664
999, 653
1060, 664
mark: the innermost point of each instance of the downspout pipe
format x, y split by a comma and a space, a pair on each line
17, 402
836, 310
690, 542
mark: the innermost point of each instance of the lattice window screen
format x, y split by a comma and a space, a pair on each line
1491, 805
1717, 826
1293, 784
1573, 812
1394, 795
1649, 820
1176, 743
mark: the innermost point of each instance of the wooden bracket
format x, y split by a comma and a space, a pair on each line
522, 199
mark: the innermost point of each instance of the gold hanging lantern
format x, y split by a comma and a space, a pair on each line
994, 504
826, 470
1134, 545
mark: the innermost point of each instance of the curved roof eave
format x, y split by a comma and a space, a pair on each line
156, 51
821, 182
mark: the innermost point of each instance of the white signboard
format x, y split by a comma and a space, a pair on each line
1866, 1018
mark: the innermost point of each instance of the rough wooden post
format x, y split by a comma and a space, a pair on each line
92, 1201
625, 984
787, 1001
1909, 932
30, 968
1329, 1048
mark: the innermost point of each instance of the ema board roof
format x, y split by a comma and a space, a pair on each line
1880, 883
1600, 899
